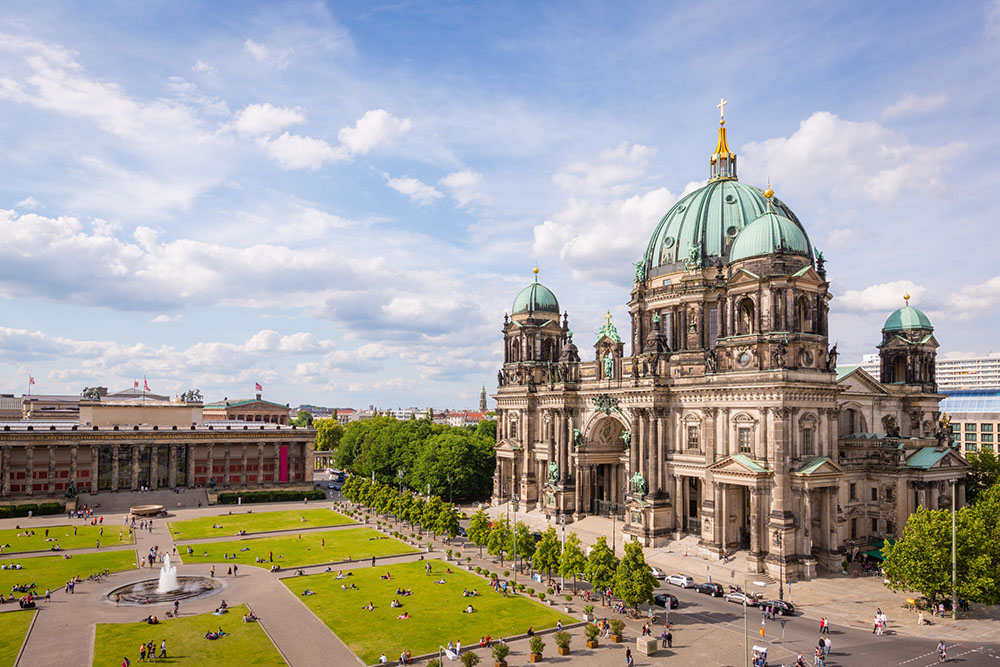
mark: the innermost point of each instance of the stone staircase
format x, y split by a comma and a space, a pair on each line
119, 502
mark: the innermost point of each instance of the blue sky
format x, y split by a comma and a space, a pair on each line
340, 200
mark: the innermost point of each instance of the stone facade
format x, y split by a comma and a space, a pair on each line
726, 419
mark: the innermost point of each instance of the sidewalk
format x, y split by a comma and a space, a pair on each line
845, 600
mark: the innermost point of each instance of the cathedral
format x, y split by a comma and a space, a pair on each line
724, 413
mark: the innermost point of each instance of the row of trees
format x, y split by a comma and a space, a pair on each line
432, 514
628, 578
454, 462
921, 559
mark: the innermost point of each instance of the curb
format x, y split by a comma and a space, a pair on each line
273, 643
27, 634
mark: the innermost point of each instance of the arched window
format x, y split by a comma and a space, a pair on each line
746, 318
899, 369
547, 354
515, 351
802, 315
851, 422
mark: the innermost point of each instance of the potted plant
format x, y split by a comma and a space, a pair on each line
591, 631
541, 596
470, 659
434, 663
617, 626
449, 554
500, 653
562, 639
588, 613
535, 646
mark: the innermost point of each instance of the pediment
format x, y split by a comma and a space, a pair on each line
739, 464
742, 277
808, 275
508, 445
820, 465
859, 381
951, 460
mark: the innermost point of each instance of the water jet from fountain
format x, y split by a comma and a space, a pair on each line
168, 577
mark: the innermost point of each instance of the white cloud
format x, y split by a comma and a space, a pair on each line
29, 203
993, 20
465, 186
202, 67
164, 319
974, 300
884, 297
615, 167
910, 104
268, 56
292, 151
847, 160
375, 129
257, 120
840, 237
415, 189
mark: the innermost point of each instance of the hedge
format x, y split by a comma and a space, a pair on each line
8, 511
269, 496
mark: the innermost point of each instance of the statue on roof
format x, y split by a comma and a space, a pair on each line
638, 483
91, 393
191, 396
820, 262
640, 270
608, 363
608, 329
553, 472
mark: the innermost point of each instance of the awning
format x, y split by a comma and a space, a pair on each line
876, 550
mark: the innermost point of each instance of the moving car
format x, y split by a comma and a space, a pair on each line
780, 607
681, 580
739, 597
660, 600
657, 573
715, 590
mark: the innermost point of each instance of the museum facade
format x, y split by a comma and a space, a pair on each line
724, 414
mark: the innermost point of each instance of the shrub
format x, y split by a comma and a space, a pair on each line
458, 554
531, 592
231, 498
569, 598
541, 596
591, 631
420, 538
6, 512
470, 659
506, 573
617, 625
493, 575
51, 508
500, 652
448, 552
520, 587
478, 570
22, 510
434, 663
550, 590
562, 639
468, 559
588, 609
536, 645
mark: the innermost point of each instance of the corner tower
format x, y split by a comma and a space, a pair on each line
908, 351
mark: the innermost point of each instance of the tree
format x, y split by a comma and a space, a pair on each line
499, 543
303, 418
524, 542
447, 522
573, 561
633, 582
479, 529
601, 565
328, 435
547, 553
984, 472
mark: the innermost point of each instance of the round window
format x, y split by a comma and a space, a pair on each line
744, 358
681, 208
668, 242
731, 231
730, 199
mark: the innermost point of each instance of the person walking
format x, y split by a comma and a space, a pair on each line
373, 560
628, 658
236, 568
163, 649
212, 571
670, 639
920, 617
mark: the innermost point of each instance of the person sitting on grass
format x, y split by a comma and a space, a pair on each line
308, 592
468, 610
369, 607
395, 604
386, 576
403, 616
440, 581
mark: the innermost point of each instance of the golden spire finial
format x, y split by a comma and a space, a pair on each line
769, 192
722, 110
607, 318
535, 270
906, 298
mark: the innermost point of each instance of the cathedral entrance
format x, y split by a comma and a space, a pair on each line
606, 493
692, 493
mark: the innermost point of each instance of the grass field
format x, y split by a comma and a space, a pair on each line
258, 522
246, 643
14, 541
54, 571
435, 609
290, 551
13, 628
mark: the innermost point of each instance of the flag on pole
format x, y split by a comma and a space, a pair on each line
145, 384
31, 380
135, 384
257, 386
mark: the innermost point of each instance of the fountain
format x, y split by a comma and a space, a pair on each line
168, 577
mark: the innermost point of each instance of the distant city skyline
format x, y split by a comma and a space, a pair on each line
340, 202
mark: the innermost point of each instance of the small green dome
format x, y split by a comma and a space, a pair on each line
770, 233
535, 298
907, 317
706, 222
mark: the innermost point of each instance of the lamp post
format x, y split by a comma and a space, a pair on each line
513, 533
954, 550
562, 576
400, 473
781, 564
450, 494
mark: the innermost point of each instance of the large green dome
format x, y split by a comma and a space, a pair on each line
705, 223
907, 317
770, 233
535, 298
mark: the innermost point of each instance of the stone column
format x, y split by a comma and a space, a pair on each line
756, 508
115, 450
172, 466
94, 466
226, 459
260, 465
211, 463
779, 502
578, 490
243, 465
568, 444
154, 466
807, 522
277, 462
189, 472
652, 481
902, 504
5, 465
51, 485
722, 516
822, 445
824, 519
74, 453
560, 433
633, 450
550, 435
831, 519
135, 466
642, 446
678, 503
29, 470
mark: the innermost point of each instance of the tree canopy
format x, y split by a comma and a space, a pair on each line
479, 529
547, 552
328, 435
601, 564
302, 418
633, 583
984, 472
572, 562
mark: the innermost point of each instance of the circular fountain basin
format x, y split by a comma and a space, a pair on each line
146, 510
143, 592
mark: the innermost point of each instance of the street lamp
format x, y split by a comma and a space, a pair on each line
513, 533
400, 473
781, 564
562, 576
450, 495
954, 551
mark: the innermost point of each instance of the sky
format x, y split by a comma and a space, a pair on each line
339, 201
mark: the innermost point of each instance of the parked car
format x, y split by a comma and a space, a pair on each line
658, 573
739, 597
660, 600
681, 580
780, 607
715, 590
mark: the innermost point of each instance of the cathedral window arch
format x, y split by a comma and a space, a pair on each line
808, 428
747, 317
692, 432
515, 350
851, 422
802, 315
899, 369
744, 435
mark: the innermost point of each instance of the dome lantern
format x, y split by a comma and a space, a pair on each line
723, 161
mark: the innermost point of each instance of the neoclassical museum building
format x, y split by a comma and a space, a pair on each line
724, 414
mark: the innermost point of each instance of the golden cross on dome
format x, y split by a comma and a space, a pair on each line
722, 110
607, 318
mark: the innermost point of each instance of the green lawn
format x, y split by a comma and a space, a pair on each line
54, 571
290, 551
435, 609
257, 522
246, 643
14, 540
13, 628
